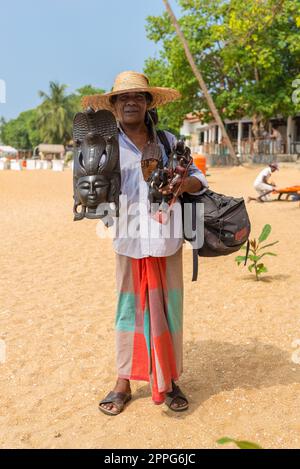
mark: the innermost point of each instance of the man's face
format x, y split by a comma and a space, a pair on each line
131, 108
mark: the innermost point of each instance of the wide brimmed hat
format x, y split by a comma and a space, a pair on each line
131, 82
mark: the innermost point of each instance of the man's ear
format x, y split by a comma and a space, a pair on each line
115, 111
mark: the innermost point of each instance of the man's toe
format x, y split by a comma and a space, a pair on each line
179, 403
107, 406
110, 406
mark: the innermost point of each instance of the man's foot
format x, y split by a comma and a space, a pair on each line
178, 404
176, 400
122, 386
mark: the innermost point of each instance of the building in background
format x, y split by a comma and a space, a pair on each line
49, 152
6, 151
257, 143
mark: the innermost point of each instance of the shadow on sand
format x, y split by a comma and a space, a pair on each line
213, 367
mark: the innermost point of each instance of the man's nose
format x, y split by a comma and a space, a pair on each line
131, 102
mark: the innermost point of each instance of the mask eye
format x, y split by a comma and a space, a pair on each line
80, 159
84, 185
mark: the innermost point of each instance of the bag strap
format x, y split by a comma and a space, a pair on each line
195, 251
195, 265
164, 140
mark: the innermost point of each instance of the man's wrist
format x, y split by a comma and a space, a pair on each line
191, 184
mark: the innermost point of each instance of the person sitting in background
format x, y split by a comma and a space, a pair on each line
263, 185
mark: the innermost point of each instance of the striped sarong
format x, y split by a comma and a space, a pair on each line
149, 320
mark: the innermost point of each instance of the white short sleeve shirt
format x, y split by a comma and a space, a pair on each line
266, 172
138, 234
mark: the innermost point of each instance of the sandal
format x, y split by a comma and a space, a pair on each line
173, 395
118, 399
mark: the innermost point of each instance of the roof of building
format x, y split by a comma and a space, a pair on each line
8, 149
48, 148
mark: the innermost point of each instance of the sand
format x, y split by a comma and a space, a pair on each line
57, 324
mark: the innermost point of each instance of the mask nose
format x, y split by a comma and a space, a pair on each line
92, 189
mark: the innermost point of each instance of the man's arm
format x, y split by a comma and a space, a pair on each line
190, 184
194, 182
265, 179
268, 181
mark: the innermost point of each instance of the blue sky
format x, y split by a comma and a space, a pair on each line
76, 42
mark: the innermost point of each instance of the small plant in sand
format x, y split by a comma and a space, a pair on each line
257, 252
239, 443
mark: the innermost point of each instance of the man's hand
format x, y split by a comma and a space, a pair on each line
173, 188
189, 184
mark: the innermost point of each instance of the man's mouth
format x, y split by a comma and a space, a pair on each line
130, 111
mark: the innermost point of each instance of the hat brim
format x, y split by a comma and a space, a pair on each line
160, 96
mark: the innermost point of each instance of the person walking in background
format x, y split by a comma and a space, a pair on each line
277, 139
266, 141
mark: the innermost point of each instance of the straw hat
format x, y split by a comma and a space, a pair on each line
131, 82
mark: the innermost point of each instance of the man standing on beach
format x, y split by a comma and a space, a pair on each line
149, 269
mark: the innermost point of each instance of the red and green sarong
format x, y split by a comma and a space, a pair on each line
149, 320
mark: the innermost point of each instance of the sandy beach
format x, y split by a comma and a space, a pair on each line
57, 312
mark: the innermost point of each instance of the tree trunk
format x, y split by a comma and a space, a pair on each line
202, 84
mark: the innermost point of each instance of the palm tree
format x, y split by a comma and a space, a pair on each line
55, 115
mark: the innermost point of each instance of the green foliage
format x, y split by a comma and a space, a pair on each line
50, 122
55, 115
248, 53
239, 443
22, 132
255, 255
75, 98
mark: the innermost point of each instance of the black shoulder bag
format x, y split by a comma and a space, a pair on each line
226, 221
